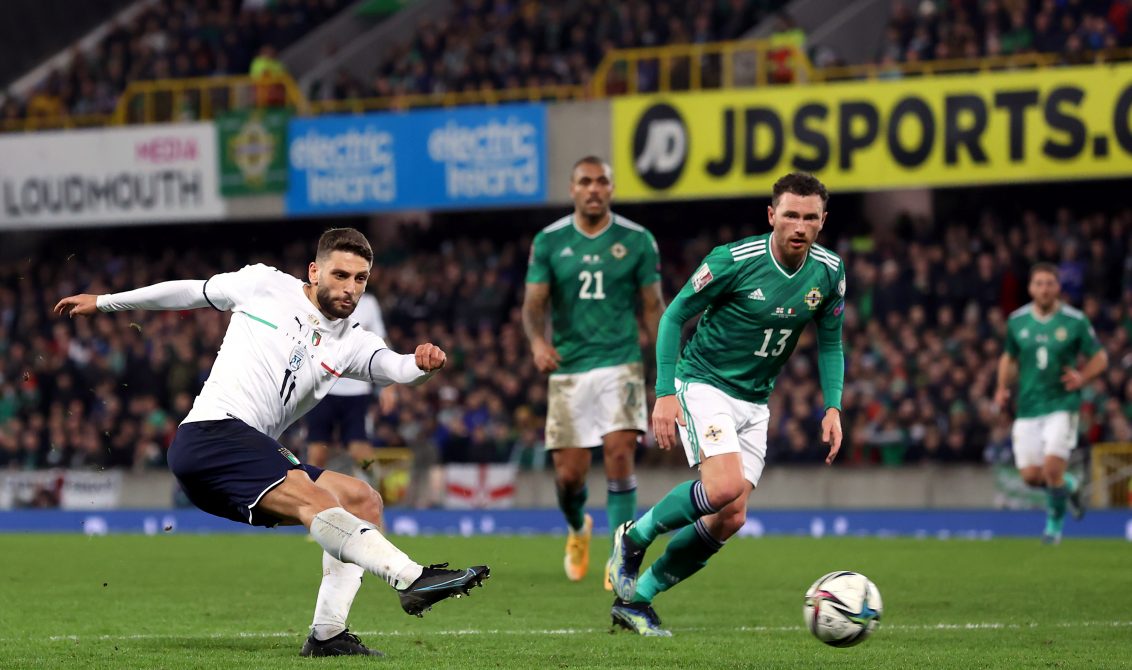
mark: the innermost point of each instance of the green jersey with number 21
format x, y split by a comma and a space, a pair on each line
595, 284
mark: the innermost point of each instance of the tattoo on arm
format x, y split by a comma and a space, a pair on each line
536, 304
652, 307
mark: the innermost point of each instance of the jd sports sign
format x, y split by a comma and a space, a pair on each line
660, 146
1065, 123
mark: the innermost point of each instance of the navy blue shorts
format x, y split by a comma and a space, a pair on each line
346, 412
225, 467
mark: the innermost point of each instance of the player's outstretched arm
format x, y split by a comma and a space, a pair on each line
83, 304
385, 366
180, 294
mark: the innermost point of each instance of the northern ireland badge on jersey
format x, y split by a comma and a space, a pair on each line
841, 287
298, 357
813, 298
618, 250
1061, 334
702, 278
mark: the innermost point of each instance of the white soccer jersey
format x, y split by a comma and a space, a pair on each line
280, 355
368, 314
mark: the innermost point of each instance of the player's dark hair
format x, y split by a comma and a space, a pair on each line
590, 160
1048, 268
344, 239
799, 183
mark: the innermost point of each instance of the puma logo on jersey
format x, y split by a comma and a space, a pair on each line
757, 294
566, 252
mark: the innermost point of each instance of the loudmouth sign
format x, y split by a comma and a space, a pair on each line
109, 176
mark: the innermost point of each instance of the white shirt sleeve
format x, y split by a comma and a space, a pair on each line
223, 292
180, 294
229, 290
373, 361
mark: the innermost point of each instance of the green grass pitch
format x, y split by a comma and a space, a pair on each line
244, 601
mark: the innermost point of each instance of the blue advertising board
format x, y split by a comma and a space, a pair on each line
432, 159
937, 524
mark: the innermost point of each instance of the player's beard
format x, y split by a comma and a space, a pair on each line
331, 307
789, 254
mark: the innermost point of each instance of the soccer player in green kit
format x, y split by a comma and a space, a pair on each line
756, 297
591, 269
1044, 340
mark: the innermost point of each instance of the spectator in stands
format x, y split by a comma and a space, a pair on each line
920, 341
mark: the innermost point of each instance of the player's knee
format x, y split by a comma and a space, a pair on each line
570, 479
731, 520
569, 476
619, 458
364, 501
722, 491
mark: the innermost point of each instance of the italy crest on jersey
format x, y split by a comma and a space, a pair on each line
298, 357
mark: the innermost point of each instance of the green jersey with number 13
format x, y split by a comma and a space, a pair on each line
754, 312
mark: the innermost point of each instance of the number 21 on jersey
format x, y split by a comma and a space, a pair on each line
593, 286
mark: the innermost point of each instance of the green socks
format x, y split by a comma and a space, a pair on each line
621, 505
1056, 503
685, 503
687, 552
573, 506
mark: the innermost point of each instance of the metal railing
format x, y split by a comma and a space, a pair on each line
201, 98
694, 67
1111, 475
452, 99
670, 68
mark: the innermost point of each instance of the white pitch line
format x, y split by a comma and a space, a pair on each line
587, 631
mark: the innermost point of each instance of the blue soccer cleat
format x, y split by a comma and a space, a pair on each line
625, 563
640, 618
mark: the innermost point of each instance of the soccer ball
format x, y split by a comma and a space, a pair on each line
842, 608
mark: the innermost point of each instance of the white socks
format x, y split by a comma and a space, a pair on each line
350, 540
340, 583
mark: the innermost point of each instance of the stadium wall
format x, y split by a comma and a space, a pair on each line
782, 487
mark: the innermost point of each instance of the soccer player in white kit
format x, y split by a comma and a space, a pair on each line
287, 344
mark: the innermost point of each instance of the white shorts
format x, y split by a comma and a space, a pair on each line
583, 407
1053, 434
720, 424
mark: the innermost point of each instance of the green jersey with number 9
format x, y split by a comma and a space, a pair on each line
595, 283
1044, 347
754, 312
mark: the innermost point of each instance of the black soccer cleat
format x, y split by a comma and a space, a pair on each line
436, 583
342, 644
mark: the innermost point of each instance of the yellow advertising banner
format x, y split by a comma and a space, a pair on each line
1045, 125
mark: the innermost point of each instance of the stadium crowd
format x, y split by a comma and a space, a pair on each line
950, 29
170, 39
923, 331
503, 44
507, 44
